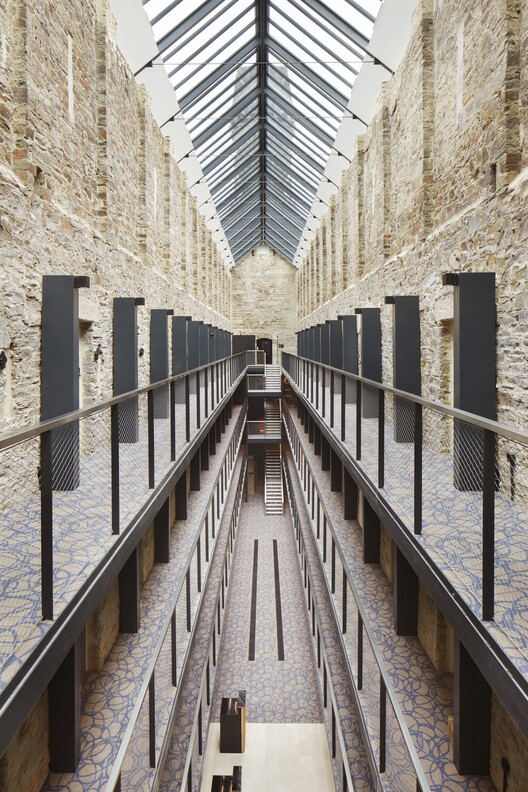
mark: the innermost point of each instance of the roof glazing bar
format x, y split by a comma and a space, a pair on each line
311, 76
339, 23
222, 71
234, 110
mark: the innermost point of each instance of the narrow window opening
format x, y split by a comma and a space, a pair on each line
71, 104
493, 176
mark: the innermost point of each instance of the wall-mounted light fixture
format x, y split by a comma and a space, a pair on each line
3, 360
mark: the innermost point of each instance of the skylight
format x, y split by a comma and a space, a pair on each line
263, 86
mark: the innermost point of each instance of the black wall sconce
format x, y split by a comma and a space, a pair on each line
3, 360
141, 351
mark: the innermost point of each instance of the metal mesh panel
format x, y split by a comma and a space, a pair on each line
399, 770
399, 454
162, 447
369, 693
135, 771
82, 506
20, 530
452, 513
511, 530
165, 690
133, 464
369, 432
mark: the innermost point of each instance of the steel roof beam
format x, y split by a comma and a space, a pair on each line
305, 122
224, 143
339, 23
286, 172
239, 238
286, 192
319, 43
249, 191
226, 119
316, 166
222, 71
309, 74
291, 236
232, 148
343, 40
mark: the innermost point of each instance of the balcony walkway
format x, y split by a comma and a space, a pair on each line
110, 695
452, 519
82, 526
424, 694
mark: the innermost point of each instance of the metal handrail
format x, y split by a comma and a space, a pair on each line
116, 770
383, 672
291, 498
14, 438
238, 501
516, 435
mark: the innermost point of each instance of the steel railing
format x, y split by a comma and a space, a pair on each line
389, 742
70, 485
191, 778
443, 471
155, 708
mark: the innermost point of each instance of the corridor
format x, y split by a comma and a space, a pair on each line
266, 649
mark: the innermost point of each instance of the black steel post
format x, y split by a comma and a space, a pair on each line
488, 527
418, 481
381, 438
150, 411
46, 525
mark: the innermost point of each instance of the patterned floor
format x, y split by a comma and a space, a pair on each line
81, 522
278, 691
110, 696
180, 750
424, 695
452, 519
349, 719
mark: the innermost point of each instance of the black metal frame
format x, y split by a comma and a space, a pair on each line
273, 56
490, 658
24, 689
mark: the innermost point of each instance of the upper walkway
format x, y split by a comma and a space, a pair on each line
428, 479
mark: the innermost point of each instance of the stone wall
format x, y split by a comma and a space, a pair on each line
435, 186
88, 186
438, 183
263, 298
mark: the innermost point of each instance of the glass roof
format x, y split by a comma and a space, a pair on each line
263, 86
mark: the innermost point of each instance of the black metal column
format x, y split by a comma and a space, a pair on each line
204, 454
129, 590
474, 369
371, 534
60, 372
405, 589
180, 492
317, 440
350, 353
336, 472
125, 364
179, 353
472, 716
65, 712
194, 469
159, 359
162, 534
350, 496
406, 365
370, 358
325, 453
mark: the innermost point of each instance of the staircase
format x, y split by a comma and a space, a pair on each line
272, 378
273, 495
272, 416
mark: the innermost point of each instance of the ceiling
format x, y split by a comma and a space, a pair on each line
262, 86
